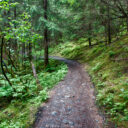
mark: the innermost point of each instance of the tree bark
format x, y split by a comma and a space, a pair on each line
89, 39
109, 26
127, 17
9, 55
45, 35
36, 77
30, 52
127, 23
15, 15
23, 51
2, 44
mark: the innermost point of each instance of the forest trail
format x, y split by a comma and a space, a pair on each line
71, 103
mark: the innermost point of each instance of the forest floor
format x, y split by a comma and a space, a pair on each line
71, 103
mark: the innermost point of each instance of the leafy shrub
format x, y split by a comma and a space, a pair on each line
100, 85
111, 54
105, 76
5, 91
106, 101
19, 113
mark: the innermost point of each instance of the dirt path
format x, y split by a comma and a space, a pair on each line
72, 102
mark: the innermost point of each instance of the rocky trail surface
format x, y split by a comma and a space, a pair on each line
71, 103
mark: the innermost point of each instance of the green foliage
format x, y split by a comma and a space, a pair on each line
107, 102
5, 91
66, 21
100, 85
97, 67
111, 53
23, 33
26, 100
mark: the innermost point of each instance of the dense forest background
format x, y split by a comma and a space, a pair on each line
31, 29
57, 21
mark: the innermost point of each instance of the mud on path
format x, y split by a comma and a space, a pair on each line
71, 103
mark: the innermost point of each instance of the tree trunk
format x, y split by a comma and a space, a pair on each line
15, 15
2, 44
127, 23
89, 39
23, 53
127, 17
30, 52
39, 87
109, 26
45, 35
9, 55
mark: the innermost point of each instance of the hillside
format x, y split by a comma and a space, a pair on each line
108, 67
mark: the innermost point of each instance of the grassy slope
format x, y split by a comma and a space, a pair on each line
109, 71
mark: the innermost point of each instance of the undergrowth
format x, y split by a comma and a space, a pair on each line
19, 103
108, 67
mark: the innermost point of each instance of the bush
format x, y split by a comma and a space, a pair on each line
111, 54
19, 113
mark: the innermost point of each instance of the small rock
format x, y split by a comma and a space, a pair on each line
54, 113
69, 108
65, 121
93, 97
67, 96
61, 101
97, 120
68, 122
71, 123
